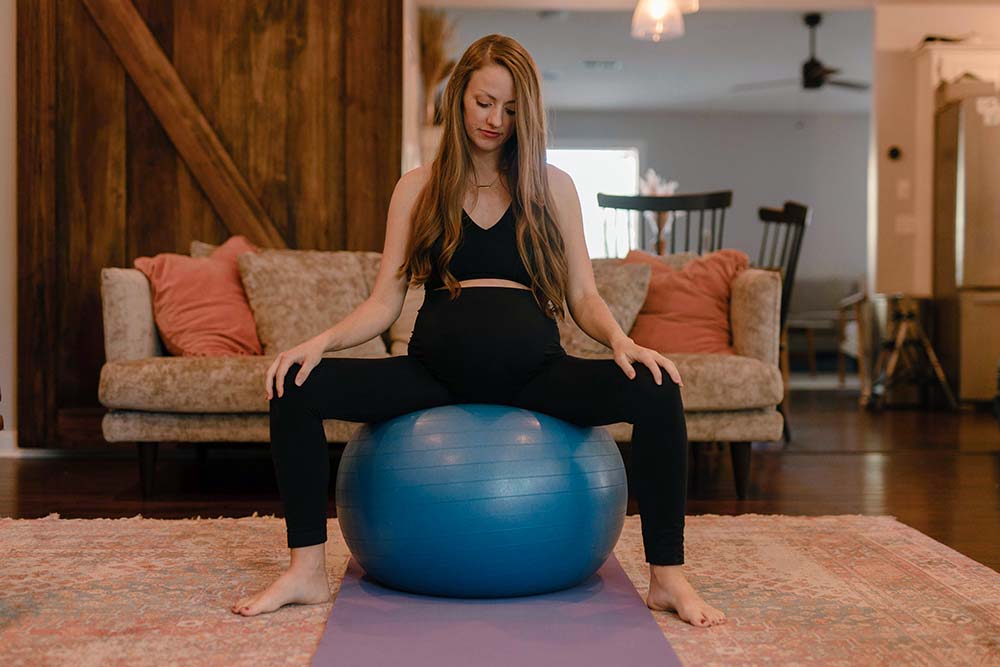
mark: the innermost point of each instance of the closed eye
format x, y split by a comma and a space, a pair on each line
509, 111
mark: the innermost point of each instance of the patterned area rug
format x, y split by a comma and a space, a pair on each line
839, 590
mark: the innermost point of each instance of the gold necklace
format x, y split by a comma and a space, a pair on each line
491, 184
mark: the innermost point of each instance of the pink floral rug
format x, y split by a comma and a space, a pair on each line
837, 590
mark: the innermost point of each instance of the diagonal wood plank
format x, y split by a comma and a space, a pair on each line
183, 121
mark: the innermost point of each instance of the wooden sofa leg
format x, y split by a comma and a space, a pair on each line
147, 467
740, 454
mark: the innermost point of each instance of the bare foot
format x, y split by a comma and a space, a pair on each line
669, 590
304, 582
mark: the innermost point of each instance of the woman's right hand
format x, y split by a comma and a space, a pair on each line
308, 354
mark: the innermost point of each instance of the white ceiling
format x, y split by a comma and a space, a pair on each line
693, 73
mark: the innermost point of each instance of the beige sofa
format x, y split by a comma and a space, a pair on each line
152, 397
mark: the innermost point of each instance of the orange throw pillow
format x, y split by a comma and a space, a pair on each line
199, 304
687, 310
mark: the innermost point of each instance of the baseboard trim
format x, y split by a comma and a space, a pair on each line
10, 450
8, 441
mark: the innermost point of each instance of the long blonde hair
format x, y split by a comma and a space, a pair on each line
438, 210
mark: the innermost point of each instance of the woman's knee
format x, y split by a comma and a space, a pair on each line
653, 398
290, 392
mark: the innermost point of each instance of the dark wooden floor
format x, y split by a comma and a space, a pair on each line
938, 472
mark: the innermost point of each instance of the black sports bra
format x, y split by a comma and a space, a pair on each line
483, 253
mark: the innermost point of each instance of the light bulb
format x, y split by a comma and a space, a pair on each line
658, 19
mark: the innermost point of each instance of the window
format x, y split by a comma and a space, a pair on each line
612, 171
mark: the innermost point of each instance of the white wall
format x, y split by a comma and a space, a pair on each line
8, 218
820, 160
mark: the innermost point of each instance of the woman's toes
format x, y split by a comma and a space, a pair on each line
246, 606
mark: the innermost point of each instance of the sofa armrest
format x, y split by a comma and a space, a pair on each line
127, 307
755, 314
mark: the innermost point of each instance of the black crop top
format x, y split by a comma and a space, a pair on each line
483, 253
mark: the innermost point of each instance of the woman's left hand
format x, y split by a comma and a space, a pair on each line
626, 351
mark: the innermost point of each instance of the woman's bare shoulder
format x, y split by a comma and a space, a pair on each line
415, 179
555, 172
560, 185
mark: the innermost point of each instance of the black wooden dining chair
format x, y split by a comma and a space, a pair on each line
780, 245
701, 216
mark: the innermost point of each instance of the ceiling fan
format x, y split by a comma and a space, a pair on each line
814, 73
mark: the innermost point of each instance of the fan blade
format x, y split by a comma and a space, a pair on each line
853, 85
764, 84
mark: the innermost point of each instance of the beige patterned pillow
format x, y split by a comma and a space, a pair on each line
202, 249
370, 262
296, 294
623, 287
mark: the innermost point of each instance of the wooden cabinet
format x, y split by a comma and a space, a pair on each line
979, 345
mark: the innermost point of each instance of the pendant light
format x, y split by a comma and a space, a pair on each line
656, 20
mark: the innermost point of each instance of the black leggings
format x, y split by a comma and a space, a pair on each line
490, 345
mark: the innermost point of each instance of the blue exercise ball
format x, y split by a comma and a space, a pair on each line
480, 501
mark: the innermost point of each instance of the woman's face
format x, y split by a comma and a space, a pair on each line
489, 107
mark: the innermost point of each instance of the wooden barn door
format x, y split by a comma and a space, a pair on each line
146, 124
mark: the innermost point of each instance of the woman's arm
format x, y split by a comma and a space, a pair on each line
585, 303
376, 313
380, 310
588, 309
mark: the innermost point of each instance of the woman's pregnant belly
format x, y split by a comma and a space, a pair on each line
486, 344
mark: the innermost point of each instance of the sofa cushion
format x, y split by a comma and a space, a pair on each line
723, 381
370, 261
623, 288
187, 384
297, 294
761, 425
132, 426
199, 304
201, 249
236, 384
687, 310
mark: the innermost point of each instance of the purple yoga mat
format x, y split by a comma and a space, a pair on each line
603, 621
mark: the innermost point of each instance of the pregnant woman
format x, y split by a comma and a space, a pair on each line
495, 235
